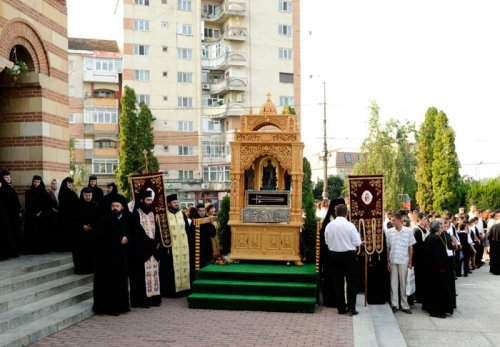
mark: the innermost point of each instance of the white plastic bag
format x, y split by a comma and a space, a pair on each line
410, 282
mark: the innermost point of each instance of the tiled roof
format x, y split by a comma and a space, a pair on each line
93, 45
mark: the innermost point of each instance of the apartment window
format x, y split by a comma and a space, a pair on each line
216, 174
165, 148
100, 116
83, 144
164, 2
164, 25
209, 11
104, 166
141, 50
104, 93
184, 101
185, 53
286, 101
165, 74
184, 77
347, 158
72, 118
285, 30
185, 125
101, 144
143, 98
286, 77
141, 75
184, 5
165, 123
285, 53
141, 25
164, 49
213, 125
211, 32
186, 150
185, 29
141, 2
186, 174
213, 149
285, 5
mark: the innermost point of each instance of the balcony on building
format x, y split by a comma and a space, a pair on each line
235, 33
229, 84
97, 128
220, 13
99, 102
100, 76
224, 61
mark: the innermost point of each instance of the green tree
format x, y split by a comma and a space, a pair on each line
335, 188
145, 138
390, 151
445, 175
425, 154
131, 157
309, 230
225, 229
485, 194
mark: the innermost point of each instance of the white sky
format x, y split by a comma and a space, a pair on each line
405, 55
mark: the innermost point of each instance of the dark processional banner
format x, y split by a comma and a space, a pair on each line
154, 182
366, 194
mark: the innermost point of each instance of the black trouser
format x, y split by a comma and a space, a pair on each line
345, 268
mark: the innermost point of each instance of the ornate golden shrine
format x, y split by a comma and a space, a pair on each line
266, 187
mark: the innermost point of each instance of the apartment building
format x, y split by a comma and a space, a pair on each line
200, 65
340, 163
94, 74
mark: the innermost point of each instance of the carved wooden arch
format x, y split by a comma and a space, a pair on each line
20, 32
282, 153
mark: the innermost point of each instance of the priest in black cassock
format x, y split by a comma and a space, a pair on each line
145, 258
67, 223
176, 260
84, 241
6, 232
111, 267
494, 238
14, 210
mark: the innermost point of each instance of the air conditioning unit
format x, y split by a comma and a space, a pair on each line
205, 85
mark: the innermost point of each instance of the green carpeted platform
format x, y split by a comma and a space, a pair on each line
260, 287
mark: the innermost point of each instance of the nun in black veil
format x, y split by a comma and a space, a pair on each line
325, 268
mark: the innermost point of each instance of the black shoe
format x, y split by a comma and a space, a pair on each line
438, 315
407, 311
394, 309
352, 312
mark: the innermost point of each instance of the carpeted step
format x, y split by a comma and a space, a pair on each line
297, 289
256, 272
252, 302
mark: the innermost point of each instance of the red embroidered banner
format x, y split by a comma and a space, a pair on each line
367, 209
154, 182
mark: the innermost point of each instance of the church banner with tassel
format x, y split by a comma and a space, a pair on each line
154, 182
366, 198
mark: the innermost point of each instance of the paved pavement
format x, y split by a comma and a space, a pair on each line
475, 323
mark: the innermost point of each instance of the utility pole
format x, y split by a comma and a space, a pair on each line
325, 148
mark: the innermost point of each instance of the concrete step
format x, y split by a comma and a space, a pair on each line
30, 263
35, 278
386, 327
26, 296
36, 330
16, 317
362, 324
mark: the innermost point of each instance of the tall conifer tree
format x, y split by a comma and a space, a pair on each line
425, 153
145, 138
445, 174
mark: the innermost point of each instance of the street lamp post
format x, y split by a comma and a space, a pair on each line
325, 148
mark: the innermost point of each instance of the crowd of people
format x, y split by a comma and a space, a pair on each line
439, 248
123, 247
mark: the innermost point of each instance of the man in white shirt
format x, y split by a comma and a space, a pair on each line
342, 238
400, 241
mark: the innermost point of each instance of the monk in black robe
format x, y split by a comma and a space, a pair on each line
97, 193
14, 210
326, 270
6, 232
145, 249
494, 238
436, 289
84, 241
207, 234
112, 195
68, 204
37, 218
111, 266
